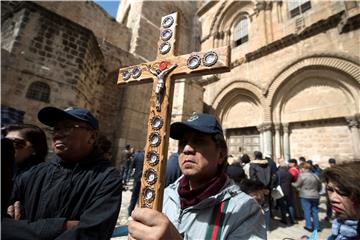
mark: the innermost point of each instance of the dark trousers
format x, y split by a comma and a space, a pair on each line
134, 196
286, 207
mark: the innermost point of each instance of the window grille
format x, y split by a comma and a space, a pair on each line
39, 91
297, 7
241, 32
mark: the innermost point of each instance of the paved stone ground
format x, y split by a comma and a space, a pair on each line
278, 230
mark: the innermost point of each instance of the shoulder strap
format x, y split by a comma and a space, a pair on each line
217, 220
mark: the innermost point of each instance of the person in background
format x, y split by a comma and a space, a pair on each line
203, 194
310, 186
125, 160
284, 179
342, 185
314, 168
294, 170
332, 163
302, 160
260, 170
105, 146
7, 165
30, 146
75, 195
137, 164
245, 162
235, 172
173, 170
255, 189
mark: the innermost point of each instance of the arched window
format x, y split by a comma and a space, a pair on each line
241, 32
39, 91
297, 7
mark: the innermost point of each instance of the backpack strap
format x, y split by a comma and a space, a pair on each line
217, 220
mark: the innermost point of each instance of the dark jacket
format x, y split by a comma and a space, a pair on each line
284, 178
173, 170
88, 191
138, 164
260, 170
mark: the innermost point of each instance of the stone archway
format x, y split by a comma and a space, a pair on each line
240, 111
312, 105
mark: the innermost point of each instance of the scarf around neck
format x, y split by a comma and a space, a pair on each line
192, 197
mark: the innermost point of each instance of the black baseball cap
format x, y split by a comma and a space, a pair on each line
51, 115
202, 122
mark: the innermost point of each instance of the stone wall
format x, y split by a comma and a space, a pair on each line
80, 68
48, 48
320, 141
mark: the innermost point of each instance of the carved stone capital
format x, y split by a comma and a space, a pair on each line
267, 126
277, 126
352, 122
259, 128
285, 127
260, 5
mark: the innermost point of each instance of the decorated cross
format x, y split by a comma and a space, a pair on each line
162, 71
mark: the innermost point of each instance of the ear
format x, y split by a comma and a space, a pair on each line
93, 137
222, 156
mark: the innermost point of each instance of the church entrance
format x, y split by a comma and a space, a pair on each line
243, 140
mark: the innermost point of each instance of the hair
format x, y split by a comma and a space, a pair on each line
346, 177
127, 146
258, 155
245, 158
248, 186
332, 160
283, 165
35, 135
307, 166
302, 159
221, 143
104, 144
7, 172
293, 160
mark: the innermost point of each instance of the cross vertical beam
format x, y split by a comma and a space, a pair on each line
163, 71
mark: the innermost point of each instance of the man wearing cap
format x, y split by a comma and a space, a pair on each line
76, 195
204, 203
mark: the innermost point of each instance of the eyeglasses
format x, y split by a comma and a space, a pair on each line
18, 143
66, 130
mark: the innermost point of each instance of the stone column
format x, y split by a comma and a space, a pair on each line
259, 128
277, 127
355, 135
267, 127
286, 141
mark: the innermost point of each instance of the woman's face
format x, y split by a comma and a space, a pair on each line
341, 203
23, 148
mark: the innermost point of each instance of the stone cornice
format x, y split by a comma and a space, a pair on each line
204, 8
293, 38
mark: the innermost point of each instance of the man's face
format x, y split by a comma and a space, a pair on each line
199, 157
73, 139
341, 203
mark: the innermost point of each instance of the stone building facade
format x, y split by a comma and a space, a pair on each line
293, 89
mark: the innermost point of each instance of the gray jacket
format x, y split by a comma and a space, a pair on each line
308, 184
243, 217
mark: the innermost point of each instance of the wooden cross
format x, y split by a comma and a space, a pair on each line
162, 71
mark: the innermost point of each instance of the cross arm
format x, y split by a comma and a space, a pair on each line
136, 74
203, 63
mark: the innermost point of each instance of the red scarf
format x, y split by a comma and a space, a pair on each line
192, 197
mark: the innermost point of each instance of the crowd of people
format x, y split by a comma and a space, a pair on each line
75, 193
